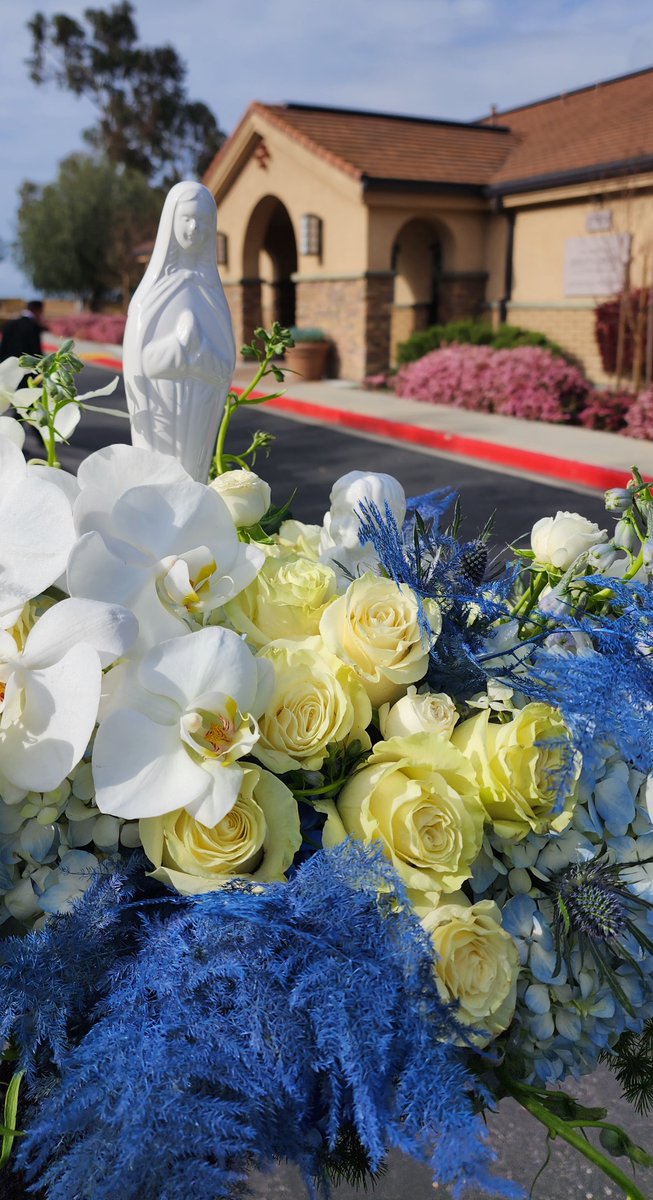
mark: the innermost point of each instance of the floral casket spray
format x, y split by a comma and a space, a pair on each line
316, 841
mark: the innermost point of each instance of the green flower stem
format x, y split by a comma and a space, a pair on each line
527, 601
233, 403
557, 1127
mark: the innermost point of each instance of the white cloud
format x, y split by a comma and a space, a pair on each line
448, 58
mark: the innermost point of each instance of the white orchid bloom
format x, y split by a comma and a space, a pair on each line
178, 722
10, 376
12, 429
168, 551
36, 532
50, 693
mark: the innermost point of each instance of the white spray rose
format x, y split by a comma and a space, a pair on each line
558, 541
245, 494
425, 712
339, 541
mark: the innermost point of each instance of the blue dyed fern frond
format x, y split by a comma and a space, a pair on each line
605, 690
431, 506
240, 1028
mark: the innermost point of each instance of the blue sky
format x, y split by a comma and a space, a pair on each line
439, 58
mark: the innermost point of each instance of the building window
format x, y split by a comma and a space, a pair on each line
310, 241
223, 250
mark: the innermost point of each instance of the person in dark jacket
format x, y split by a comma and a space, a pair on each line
23, 334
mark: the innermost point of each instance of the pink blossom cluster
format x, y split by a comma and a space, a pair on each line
528, 382
90, 327
639, 417
606, 410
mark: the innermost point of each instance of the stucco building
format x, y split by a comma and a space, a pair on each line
371, 225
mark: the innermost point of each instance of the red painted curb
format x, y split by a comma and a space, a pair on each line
529, 461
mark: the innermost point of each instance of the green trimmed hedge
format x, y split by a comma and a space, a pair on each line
473, 333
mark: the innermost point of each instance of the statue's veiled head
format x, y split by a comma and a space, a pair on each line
187, 232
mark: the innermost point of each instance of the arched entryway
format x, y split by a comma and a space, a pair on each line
269, 263
420, 254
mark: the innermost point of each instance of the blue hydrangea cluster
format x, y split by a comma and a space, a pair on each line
569, 1006
51, 844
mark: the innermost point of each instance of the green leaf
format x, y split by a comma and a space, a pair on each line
10, 1117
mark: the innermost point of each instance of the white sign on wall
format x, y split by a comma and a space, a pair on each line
596, 266
599, 220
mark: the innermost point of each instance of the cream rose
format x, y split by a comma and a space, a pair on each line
375, 628
558, 541
258, 839
245, 494
285, 601
477, 964
303, 539
317, 701
518, 767
417, 796
418, 712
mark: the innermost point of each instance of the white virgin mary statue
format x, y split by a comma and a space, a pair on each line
179, 352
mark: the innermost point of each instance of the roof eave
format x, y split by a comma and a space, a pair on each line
537, 183
374, 183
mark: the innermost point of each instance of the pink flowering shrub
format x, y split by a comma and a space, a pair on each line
639, 418
90, 327
528, 382
606, 410
456, 375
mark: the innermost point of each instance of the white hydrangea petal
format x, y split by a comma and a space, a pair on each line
141, 769
212, 660
110, 629
50, 736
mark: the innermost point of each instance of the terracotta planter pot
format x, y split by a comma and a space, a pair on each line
308, 359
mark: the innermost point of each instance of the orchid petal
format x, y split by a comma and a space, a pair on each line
108, 473
109, 628
212, 660
12, 429
141, 769
59, 709
226, 784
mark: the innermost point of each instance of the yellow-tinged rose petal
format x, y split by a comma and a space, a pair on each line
417, 796
258, 839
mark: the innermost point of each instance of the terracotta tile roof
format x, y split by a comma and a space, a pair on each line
608, 122
409, 149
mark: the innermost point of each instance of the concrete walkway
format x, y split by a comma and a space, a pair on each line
581, 458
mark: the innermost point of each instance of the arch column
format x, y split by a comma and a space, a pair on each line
244, 300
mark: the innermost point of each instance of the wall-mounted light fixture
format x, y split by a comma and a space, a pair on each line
223, 250
310, 241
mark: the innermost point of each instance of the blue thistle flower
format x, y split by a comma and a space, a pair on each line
437, 566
